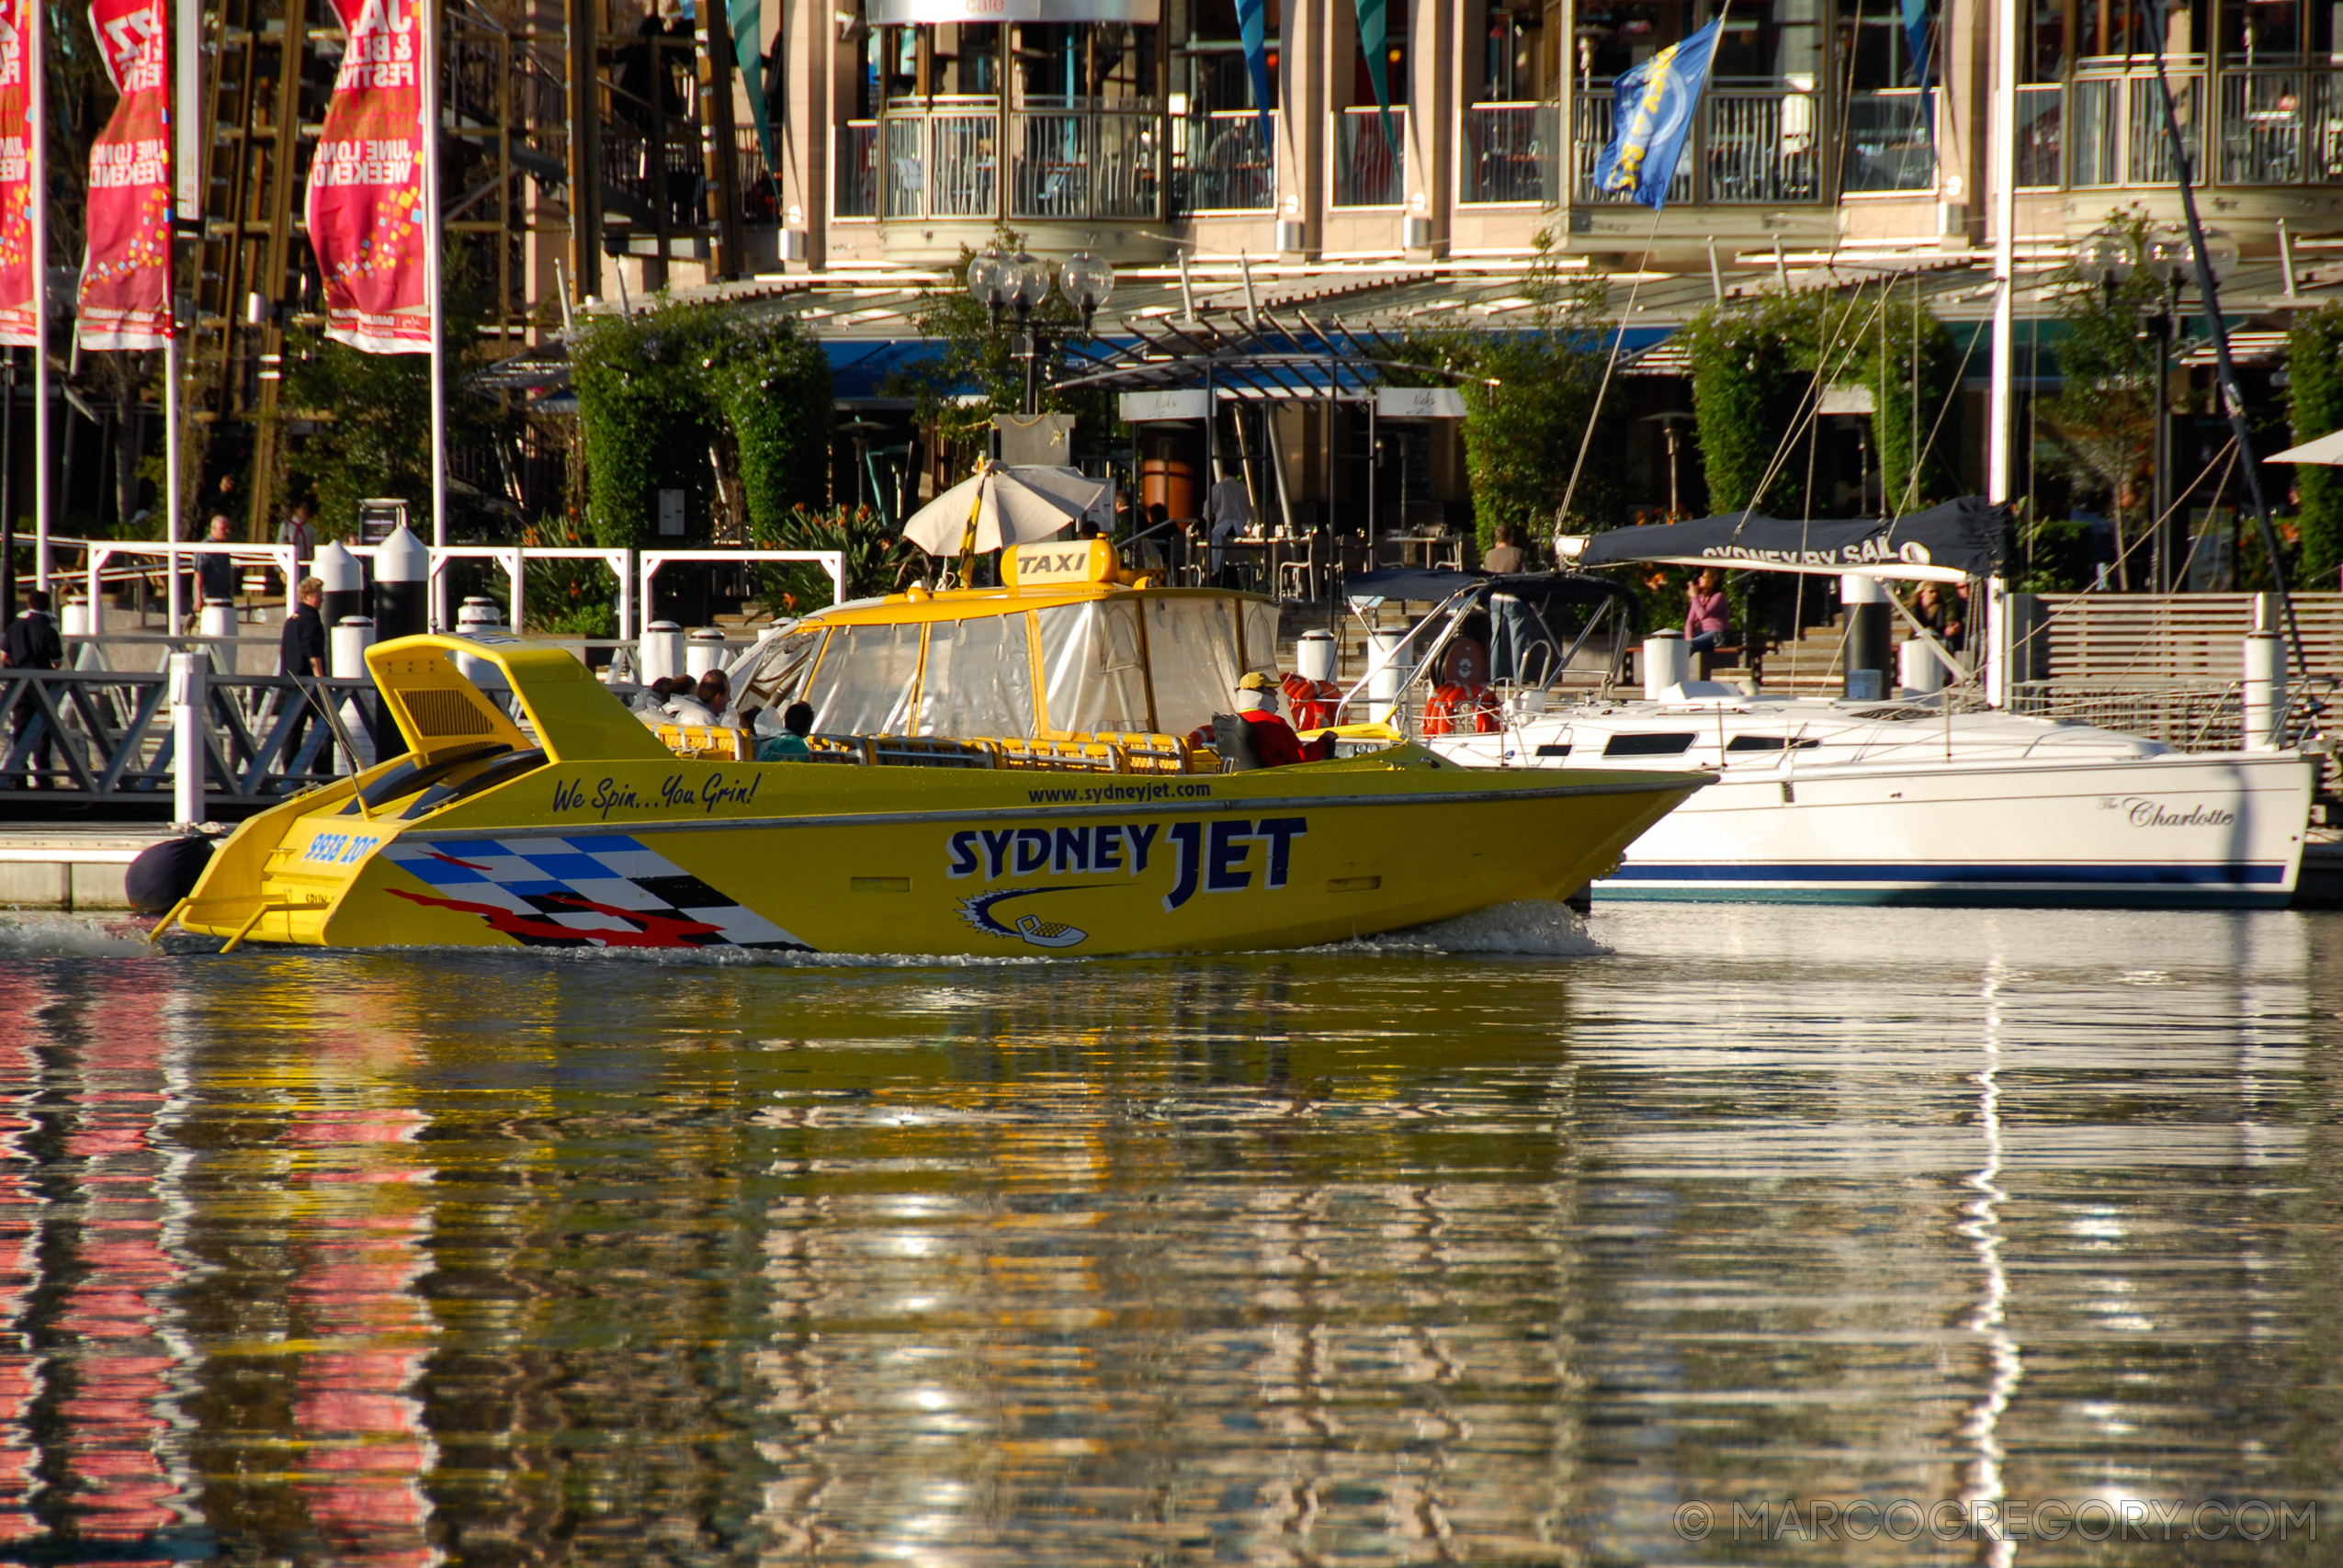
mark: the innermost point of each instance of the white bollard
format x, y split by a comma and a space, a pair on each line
1314, 656
1667, 662
703, 651
2264, 691
478, 615
74, 622
662, 652
1918, 669
352, 636
345, 579
190, 677
1384, 685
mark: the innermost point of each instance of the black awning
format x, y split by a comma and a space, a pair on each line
1433, 585
1967, 537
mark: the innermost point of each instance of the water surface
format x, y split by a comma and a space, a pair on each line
1383, 1255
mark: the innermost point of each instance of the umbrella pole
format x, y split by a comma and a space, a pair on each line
967, 535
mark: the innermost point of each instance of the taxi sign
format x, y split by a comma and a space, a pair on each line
1059, 562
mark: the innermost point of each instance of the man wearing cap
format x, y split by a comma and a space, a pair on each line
1273, 740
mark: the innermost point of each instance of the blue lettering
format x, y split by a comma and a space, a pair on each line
1106, 852
1073, 850
964, 853
1281, 832
1033, 849
1142, 836
996, 852
1187, 840
1224, 867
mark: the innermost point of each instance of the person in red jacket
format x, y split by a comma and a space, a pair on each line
1275, 742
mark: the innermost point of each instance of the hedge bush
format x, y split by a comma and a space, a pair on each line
668, 396
2314, 404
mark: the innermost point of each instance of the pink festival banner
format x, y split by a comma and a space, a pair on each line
16, 150
126, 279
366, 214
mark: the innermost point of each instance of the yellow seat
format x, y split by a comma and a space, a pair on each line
712, 743
1145, 754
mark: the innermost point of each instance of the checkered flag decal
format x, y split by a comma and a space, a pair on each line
594, 891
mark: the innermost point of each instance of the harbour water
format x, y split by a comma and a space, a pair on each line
1962, 1236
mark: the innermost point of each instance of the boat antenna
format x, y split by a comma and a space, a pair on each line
2233, 402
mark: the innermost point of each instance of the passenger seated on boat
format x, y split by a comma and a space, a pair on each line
649, 705
1273, 743
684, 705
1708, 619
790, 746
714, 691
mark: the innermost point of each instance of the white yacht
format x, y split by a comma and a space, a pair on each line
1905, 799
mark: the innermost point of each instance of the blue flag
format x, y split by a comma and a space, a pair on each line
1915, 26
1251, 31
1650, 117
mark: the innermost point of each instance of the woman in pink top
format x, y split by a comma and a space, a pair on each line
1708, 617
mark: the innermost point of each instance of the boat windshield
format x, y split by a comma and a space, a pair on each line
978, 679
1192, 649
1093, 680
866, 681
1122, 664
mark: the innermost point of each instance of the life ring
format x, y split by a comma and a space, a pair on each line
1466, 663
1459, 709
1314, 703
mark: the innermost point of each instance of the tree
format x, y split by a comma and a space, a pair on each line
734, 410
1528, 396
2315, 402
2103, 419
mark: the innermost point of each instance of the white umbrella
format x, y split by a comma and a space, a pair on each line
1006, 505
2326, 449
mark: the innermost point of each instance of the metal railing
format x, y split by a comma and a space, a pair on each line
1370, 167
1890, 142
856, 194
87, 735
1509, 152
1749, 147
2041, 133
2115, 129
945, 160
1222, 163
2279, 128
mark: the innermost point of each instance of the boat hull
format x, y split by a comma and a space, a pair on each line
908, 860
2179, 831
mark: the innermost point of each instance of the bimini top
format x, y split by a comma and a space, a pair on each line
1963, 539
1073, 645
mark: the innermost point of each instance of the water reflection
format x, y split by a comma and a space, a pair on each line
1317, 1258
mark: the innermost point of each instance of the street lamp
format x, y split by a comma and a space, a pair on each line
2104, 256
1022, 283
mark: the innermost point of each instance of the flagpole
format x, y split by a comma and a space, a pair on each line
180, 44
434, 290
37, 73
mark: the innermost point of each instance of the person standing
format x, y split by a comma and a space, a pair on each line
1228, 514
302, 654
32, 643
216, 570
1509, 635
298, 531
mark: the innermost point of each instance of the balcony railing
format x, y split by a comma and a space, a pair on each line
2115, 129
858, 192
1221, 163
1369, 170
1890, 142
1064, 163
2041, 124
1753, 147
1508, 151
2279, 128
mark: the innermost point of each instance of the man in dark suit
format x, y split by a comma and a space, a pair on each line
301, 653
32, 643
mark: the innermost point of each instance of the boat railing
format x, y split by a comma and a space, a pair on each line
1114, 752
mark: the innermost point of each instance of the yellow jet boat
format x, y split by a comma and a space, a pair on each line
996, 771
